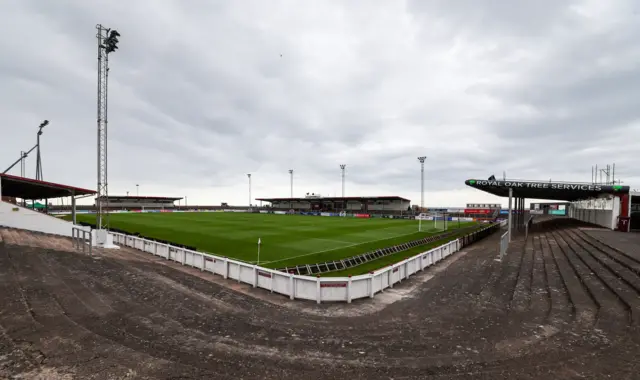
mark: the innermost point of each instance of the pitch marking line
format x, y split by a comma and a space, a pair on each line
334, 241
346, 246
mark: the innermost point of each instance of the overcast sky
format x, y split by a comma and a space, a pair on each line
203, 92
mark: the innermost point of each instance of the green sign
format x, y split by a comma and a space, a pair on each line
562, 186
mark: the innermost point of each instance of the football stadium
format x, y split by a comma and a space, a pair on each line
313, 234
540, 282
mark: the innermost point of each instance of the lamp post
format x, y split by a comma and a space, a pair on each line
342, 167
249, 176
23, 161
137, 190
23, 156
421, 159
38, 156
291, 196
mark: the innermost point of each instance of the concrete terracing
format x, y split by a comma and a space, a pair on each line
563, 305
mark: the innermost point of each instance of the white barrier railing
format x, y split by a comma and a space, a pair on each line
503, 245
526, 227
81, 238
295, 286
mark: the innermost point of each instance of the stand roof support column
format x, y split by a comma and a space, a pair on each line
510, 212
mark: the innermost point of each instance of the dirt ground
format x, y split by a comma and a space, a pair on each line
562, 305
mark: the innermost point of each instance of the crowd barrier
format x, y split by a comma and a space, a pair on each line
294, 286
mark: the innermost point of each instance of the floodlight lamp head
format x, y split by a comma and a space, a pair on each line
249, 175
114, 33
343, 166
290, 171
422, 158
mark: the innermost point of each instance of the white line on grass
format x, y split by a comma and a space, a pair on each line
346, 246
334, 241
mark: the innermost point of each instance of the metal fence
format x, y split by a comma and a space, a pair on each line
478, 235
82, 238
526, 227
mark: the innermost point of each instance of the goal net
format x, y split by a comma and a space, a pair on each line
343, 213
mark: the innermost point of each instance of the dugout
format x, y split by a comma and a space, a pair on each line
604, 205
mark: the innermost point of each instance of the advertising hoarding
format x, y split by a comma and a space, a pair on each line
483, 211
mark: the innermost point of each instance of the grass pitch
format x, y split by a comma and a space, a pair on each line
287, 240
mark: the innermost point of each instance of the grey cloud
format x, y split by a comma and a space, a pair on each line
496, 18
200, 94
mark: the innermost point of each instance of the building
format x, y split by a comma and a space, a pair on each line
384, 204
136, 202
606, 205
554, 208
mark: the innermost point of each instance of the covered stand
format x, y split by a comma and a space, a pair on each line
576, 193
12, 187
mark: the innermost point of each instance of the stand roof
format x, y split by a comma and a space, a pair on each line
28, 188
561, 191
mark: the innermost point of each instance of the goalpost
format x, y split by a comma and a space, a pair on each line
433, 217
343, 213
444, 221
421, 216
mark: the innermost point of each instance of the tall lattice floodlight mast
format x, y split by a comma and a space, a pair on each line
107, 44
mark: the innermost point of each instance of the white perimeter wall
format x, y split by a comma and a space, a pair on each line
19, 217
600, 211
295, 286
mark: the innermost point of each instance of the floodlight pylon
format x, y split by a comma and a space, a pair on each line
107, 43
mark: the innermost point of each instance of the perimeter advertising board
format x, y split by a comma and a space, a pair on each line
483, 211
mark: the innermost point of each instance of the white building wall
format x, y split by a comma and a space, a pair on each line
19, 217
603, 211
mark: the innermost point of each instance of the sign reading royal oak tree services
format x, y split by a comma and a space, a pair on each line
547, 185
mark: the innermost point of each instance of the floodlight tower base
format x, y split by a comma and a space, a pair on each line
102, 239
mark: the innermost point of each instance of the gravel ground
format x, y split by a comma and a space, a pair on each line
562, 305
